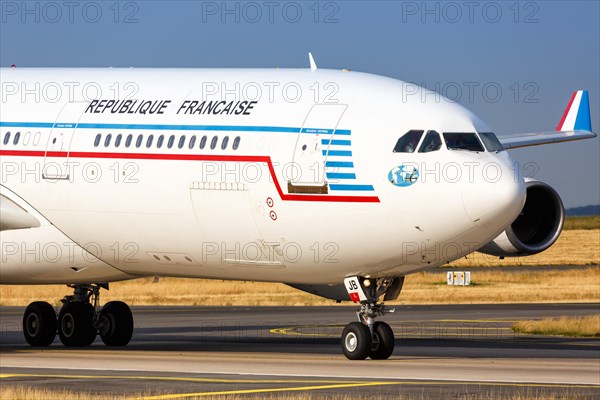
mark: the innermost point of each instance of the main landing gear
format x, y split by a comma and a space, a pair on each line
79, 320
367, 338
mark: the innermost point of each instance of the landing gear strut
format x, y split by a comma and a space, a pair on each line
79, 321
367, 338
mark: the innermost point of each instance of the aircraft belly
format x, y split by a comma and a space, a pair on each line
44, 255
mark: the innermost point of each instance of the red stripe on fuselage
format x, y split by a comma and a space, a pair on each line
196, 157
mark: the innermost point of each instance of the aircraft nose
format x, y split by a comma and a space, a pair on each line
494, 202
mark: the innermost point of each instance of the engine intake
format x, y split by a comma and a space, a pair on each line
536, 228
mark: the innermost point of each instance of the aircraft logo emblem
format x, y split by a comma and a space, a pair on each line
403, 175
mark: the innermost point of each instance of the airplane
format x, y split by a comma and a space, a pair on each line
334, 182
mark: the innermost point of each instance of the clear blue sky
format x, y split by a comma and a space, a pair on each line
536, 52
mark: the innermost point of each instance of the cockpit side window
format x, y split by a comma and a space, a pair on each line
491, 142
432, 142
408, 142
463, 141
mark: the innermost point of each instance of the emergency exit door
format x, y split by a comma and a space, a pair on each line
310, 154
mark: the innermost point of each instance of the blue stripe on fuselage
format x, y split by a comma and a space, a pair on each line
358, 188
339, 164
174, 127
340, 175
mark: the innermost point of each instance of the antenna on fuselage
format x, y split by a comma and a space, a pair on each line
313, 65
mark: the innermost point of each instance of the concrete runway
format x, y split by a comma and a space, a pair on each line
441, 351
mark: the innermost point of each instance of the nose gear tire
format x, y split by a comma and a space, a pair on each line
383, 341
356, 341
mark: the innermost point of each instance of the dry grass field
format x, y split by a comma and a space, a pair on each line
586, 222
30, 393
569, 286
565, 326
573, 247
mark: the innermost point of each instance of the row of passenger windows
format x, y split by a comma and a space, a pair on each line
181, 142
17, 137
469, 141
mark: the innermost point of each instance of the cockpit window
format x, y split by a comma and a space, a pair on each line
462, 141
408, 142
432, 142
491, 142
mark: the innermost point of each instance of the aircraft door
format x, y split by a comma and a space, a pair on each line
56, 157
311, 148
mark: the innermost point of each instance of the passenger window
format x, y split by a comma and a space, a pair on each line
149, 141
128, 140
160, 141
432, 142
181, 142
213, 142
107, 140
491, 142
236, 143
6, 138
139, 141
192, 142
408, 142
96, 141
203, 142
225, 143
17, 137
171, 141
462, 141
118, 140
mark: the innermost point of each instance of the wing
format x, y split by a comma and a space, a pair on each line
14, 216
575, 124
536, 139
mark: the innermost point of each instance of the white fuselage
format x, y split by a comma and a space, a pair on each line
228, 213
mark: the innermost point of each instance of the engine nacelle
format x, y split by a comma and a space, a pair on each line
535, 229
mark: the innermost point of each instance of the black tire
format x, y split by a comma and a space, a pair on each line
39, 324
383, 341
356, 341
115, 323
76, 324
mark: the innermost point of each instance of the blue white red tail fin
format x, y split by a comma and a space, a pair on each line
577, 114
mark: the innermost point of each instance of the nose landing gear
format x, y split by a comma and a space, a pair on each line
367, 338
79, 321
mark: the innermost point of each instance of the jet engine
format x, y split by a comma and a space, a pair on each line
536, 228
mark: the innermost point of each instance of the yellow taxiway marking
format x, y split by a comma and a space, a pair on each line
176, 378
323, 384
323, 381
268, 390
293, 330
352, 385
